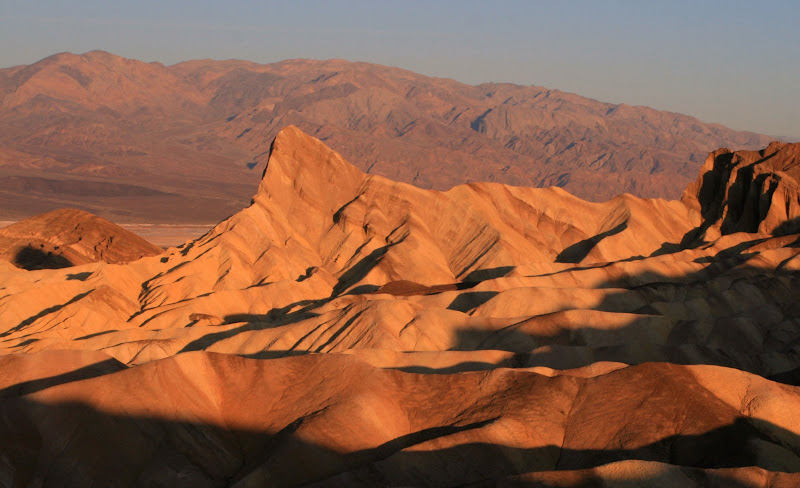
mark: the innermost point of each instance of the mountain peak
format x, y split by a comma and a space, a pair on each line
299, 160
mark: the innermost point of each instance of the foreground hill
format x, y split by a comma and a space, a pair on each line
348, 330
69, 237
127, 140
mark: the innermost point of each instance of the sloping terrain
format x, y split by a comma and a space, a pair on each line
348, 330
134, 141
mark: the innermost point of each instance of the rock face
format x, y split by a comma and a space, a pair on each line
749, 191
348, 330
69, 237
145, 142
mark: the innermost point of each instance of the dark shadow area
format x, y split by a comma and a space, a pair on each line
87, 447
304, 309
274, 354
791, 377
210, 339
47, 311
725, 447
401, 288
290, 314
96, 334
79, 276
466, 366
32, 258
487, 274
309, 271
467, 301
746, 205
406, 288
361, 269
712, 189
787, 227
711, 197
363, 290
92, 371
575, 253
301, 310
740, 208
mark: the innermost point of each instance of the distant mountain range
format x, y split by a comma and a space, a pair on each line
135, 141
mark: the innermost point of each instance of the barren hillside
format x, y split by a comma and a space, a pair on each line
348, 330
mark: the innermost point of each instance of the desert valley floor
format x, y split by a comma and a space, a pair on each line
348, 330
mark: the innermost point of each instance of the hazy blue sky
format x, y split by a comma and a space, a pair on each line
727, 61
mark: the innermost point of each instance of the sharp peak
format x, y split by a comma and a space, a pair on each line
304, 150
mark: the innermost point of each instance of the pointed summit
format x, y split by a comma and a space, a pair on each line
307, 180
300, 161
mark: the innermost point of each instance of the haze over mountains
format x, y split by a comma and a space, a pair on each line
348, 330
135, 141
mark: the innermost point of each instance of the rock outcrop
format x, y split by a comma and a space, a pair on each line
749, 191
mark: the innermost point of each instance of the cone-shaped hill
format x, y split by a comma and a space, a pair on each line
68, 237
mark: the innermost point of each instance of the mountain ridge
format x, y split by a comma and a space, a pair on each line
192, 130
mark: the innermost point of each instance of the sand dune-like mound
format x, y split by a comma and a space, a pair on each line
348, 330
69, 237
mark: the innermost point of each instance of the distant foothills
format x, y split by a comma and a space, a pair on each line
143, 142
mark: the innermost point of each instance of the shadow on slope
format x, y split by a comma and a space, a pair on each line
746, 320
32, 258
84, 446
575, 253
55, 308
752, 326
91, 371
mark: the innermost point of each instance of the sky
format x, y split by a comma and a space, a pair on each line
726, 61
